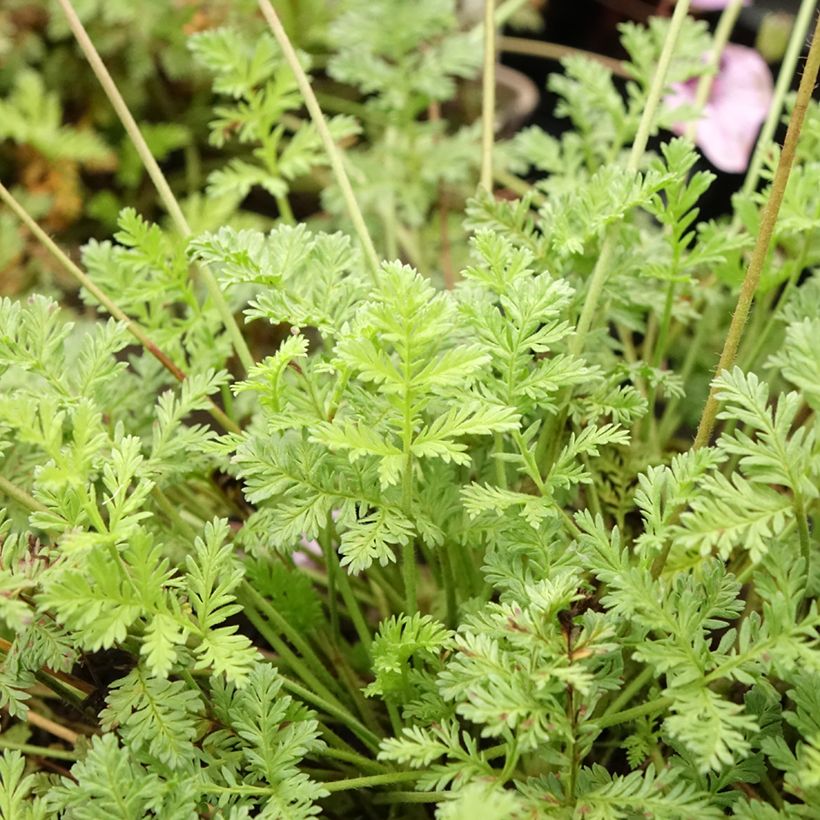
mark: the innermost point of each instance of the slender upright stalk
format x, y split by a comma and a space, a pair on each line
338, 580
368, 737
550, 431
726, 23
505, 10
764, 237
134, 328
283, 626
156, 175
333, 153
445, 252
288, 657
408, 559
787, 70
488, 97
636, 153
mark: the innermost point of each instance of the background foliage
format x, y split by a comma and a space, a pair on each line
439, 551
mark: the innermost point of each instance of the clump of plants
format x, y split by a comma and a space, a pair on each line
537, 543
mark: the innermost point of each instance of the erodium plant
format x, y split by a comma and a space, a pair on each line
434, 552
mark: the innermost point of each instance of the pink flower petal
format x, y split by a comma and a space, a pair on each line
303, 557
740, 99
713, 5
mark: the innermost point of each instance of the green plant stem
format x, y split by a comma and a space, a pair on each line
39, 751
771, 791
386, 586
764, 236
332, 570
650, 708
156, 175
354, 610
747, 362
500, 466
803, 533
173, 514
788, 67
723, 30
408, 549
488, 97
269, 611
334, 740
657, 357
353, 685
410, 797
20, 496
572, 748
470, 570
630, 690
450, 598
518, 186
351, 757
126, 118
506, 10
84, 281
636, 153
371, 780
369, 738
294, 662
408, 552
549, 436
333, 153
134, 328
668, 420
389, 217
285, 211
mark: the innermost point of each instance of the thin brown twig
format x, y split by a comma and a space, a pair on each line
52, 727
557, 51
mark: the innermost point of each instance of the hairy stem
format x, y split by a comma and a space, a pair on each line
333, 153
350, 757
156, 175
764, 236
488, 97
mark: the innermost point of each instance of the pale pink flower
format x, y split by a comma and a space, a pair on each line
309, 550
736, 108
712, 5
